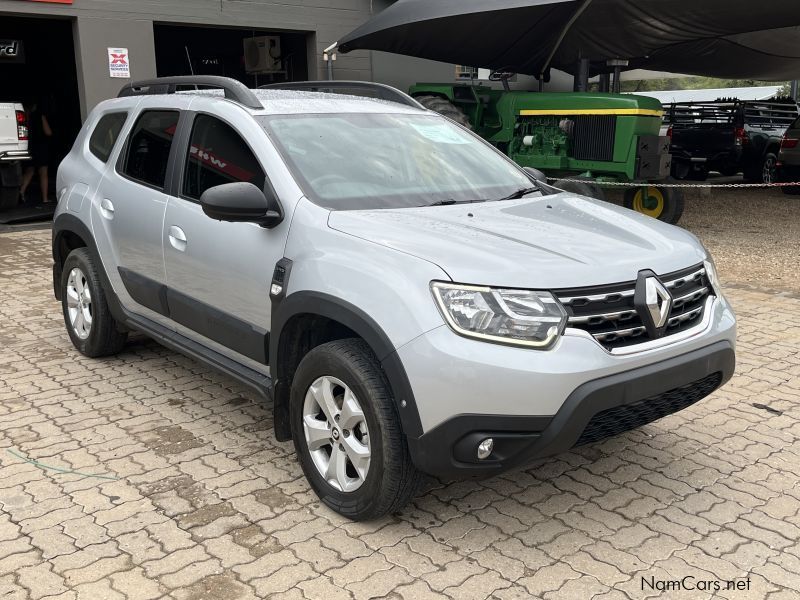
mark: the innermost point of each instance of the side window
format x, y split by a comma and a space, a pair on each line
217, 155
148, 146
105, 134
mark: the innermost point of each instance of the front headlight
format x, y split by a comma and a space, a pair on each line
516, 317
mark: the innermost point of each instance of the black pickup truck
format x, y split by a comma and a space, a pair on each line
727, 136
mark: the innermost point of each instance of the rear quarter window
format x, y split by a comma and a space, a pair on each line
105, 134
149, 145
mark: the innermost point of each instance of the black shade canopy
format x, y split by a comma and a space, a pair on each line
720, 38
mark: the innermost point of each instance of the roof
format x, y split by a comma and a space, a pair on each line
709, 95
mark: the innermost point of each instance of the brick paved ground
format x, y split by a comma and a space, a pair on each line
207, 505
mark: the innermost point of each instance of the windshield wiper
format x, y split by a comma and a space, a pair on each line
520, 194
450, 202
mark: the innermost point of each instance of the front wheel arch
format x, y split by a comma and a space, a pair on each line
340, 320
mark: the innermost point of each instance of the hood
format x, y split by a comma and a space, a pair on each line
547, 242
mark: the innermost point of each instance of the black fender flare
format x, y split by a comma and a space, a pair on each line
355, 319
68, 223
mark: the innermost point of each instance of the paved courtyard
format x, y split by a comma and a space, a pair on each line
148, 476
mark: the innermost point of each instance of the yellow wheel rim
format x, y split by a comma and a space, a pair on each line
651, 204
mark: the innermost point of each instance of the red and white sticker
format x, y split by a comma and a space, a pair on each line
119, 64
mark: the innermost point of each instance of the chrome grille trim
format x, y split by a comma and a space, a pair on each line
696, 295
628, 289
597, 297
620, 315
619, 333
668, 340
685, 279
606, 313
684, 316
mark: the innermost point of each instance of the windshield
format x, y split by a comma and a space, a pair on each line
365, 161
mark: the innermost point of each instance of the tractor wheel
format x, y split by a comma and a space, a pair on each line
664, 204
443, 106
587, 187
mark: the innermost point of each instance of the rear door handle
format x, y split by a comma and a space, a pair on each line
107, 208
177, 238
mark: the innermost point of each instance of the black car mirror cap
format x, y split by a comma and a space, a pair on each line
536, 174
241, 202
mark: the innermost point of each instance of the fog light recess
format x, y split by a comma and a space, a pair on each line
485, 448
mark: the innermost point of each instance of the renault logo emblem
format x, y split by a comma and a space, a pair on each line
653, 302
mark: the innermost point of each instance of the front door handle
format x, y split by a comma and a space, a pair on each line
107, 208
177, 238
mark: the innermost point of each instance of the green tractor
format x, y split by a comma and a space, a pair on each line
597, 138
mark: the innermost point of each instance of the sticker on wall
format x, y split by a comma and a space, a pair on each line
119, 63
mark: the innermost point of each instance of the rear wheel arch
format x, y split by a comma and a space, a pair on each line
69, 233
305, 320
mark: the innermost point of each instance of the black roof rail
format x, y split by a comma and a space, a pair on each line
374, 90
234, 90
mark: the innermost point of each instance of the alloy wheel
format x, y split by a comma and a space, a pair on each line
768, 173
336, 433
79, 303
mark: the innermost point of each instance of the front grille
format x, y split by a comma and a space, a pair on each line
614, 421
593, 137
608, 314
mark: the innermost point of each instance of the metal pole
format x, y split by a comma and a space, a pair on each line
329, 55
793, 89
617, 64
581, 83
560, 39
605, 82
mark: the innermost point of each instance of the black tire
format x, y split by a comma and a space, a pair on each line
443, 106
769, 168
681, 169
105, 337
671, 209
392, 478
583, 188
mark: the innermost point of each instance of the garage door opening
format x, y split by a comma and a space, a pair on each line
37, 69
253, 56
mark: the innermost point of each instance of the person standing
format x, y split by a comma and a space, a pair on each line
39, 142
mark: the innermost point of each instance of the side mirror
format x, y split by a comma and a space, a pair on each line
536, 174
241, 202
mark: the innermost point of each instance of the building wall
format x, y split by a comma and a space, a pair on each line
99, 24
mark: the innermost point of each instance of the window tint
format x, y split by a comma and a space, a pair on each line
105, 134
148, 146
217, 155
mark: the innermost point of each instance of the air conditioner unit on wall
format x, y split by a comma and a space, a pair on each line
262, 54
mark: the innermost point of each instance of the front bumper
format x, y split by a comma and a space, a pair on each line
594, 411
538, 403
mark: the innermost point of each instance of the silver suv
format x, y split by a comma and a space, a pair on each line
407, 298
